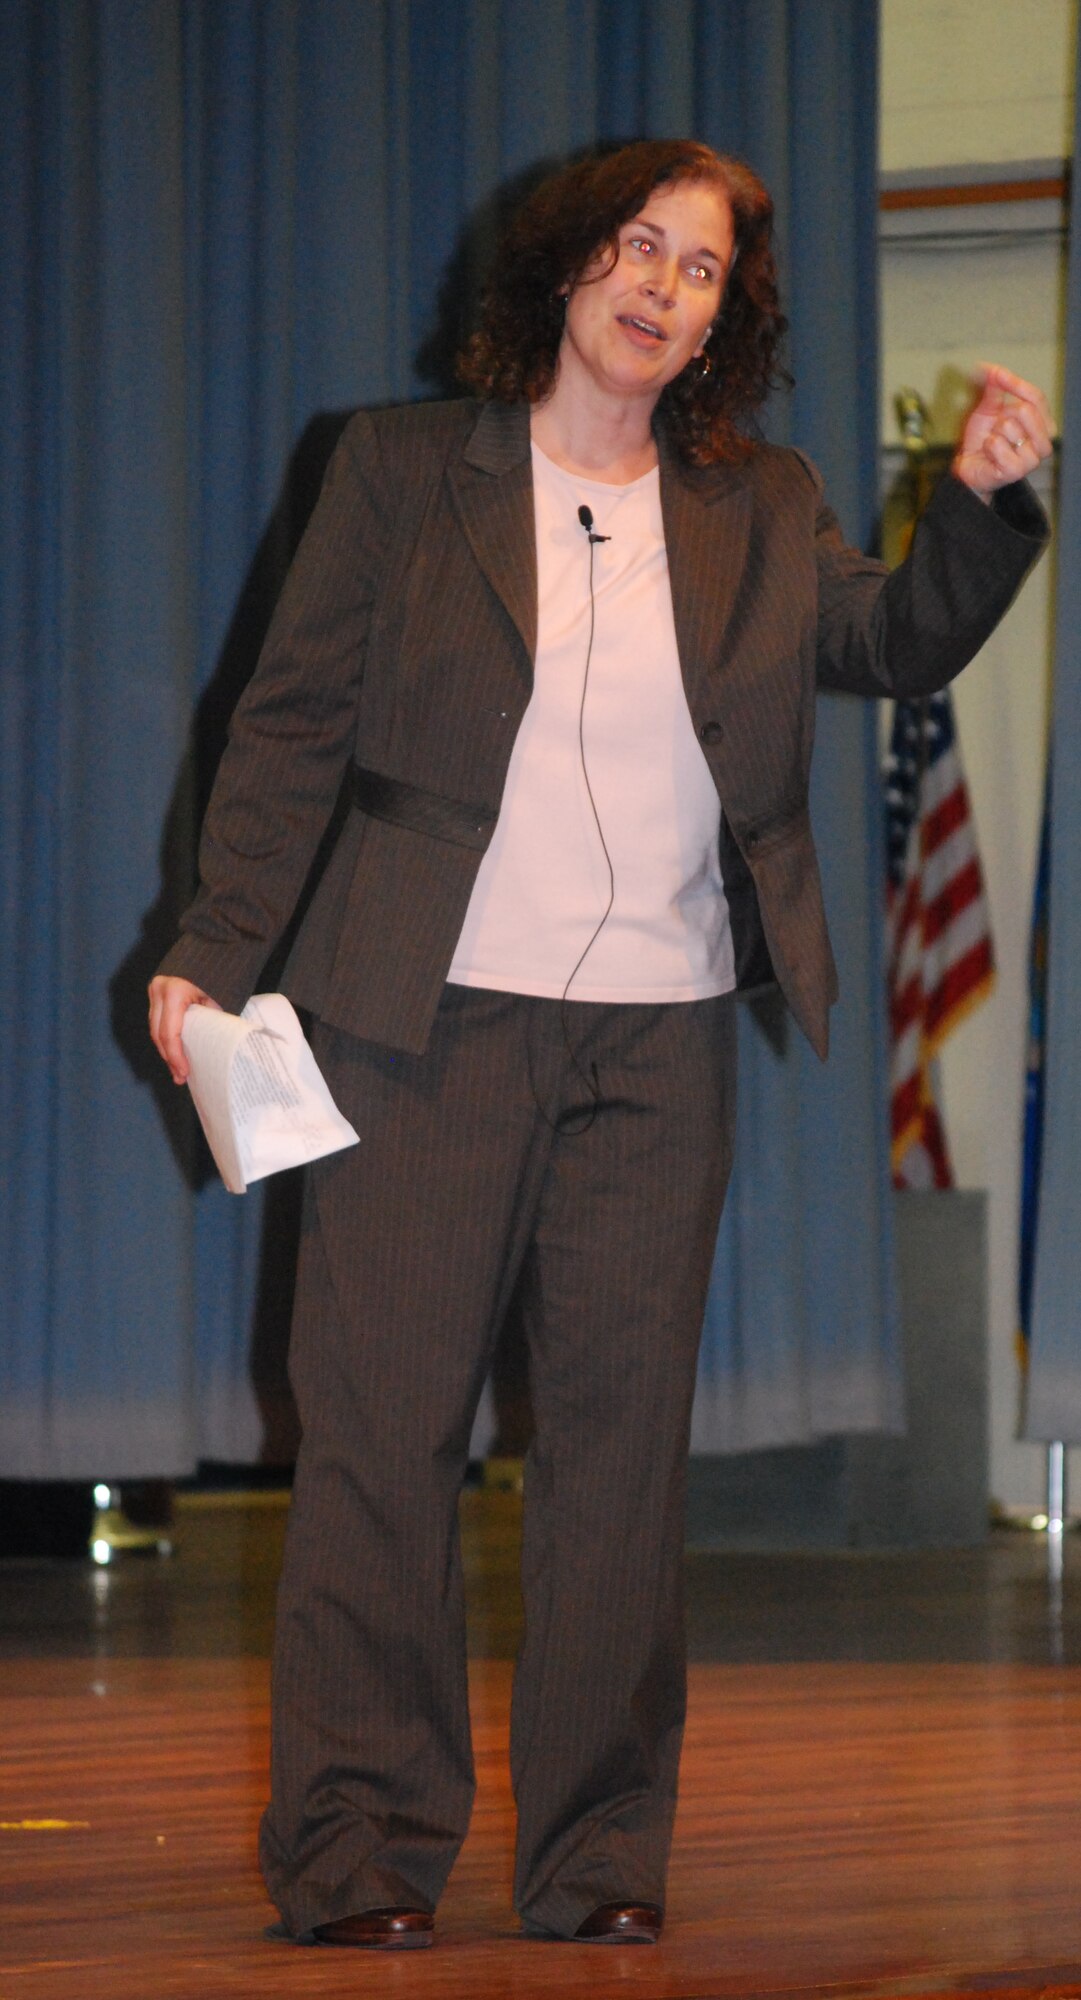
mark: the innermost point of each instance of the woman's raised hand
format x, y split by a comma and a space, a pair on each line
1006, 434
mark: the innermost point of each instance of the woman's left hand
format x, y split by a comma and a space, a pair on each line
1007, 433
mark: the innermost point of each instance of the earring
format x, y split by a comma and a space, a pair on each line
705, 366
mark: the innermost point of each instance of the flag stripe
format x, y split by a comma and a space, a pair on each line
966, 981
942, 820
945, 861
955, 897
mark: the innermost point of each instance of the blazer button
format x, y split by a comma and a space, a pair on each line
751, 838
710, 732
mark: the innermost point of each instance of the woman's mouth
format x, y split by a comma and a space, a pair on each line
646, 329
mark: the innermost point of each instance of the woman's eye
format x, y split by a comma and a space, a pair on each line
642, 243
700, 271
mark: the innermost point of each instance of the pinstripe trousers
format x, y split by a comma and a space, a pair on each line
481, 1163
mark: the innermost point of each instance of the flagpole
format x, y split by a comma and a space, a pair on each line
1053, 1519
1056, 1488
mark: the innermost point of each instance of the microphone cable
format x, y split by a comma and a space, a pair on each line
590, 1078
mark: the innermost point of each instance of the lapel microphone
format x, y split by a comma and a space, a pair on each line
585, 515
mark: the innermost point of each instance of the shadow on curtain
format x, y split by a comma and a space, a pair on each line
220, 227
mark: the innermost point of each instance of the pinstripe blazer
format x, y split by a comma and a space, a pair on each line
403, 646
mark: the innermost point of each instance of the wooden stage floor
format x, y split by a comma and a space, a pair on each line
880, 1785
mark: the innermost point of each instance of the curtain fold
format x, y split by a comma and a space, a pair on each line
221, 228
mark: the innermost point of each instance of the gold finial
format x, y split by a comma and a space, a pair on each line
914, 420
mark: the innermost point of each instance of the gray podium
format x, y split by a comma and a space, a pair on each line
926, 1489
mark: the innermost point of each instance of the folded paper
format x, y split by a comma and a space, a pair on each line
259, 1091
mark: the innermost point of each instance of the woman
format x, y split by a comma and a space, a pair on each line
562, 644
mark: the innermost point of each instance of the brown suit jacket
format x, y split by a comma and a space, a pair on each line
404, 643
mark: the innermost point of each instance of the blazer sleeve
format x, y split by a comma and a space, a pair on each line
291, 735
909, 631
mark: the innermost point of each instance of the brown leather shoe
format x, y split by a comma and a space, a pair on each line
622, 1923
379, 1930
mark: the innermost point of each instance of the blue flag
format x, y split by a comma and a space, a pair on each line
1032, 1127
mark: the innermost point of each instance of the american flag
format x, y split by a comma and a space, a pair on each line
939, 951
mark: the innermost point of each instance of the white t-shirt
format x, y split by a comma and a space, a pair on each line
543, 883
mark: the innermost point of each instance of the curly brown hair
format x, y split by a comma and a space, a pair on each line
574, 217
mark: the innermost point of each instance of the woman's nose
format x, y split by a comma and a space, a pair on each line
660, 282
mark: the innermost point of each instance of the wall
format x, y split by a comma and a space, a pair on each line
977, 90
966, 80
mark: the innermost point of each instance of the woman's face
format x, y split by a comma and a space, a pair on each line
630, 331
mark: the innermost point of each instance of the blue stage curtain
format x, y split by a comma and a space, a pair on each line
1053, 1399
222, 226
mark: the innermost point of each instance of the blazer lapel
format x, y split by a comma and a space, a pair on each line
707, 518
706, 511
492, 484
